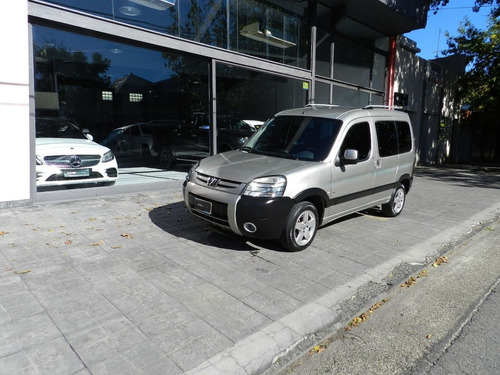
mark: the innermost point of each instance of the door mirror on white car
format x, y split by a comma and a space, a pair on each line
350, 156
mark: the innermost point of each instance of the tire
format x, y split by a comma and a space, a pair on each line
394, 207
167, 159
300, 227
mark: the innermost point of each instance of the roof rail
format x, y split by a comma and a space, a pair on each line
321, 105
381, 106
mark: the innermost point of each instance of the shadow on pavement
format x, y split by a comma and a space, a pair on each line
175, 220
483, 177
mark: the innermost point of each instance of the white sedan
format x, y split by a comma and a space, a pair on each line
67, 156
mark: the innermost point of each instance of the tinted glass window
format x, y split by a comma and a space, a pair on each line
255, 27
358, 138
404, 136
387, 138
90, 81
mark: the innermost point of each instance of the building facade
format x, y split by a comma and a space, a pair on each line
426, 89
195, 66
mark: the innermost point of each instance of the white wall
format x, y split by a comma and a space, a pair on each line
15, 146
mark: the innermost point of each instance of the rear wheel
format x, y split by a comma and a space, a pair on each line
395, 205
300, 228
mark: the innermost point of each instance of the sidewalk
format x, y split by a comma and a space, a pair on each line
129, 283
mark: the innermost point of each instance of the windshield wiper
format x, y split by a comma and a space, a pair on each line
248, 149
282, 154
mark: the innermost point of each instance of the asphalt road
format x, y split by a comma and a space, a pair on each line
475, 350
442, 320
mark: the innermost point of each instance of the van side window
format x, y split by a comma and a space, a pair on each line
358, 138
404, 136
387, 138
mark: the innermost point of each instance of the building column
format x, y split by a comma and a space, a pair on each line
15, 142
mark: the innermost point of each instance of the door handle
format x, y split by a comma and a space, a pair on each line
377, 164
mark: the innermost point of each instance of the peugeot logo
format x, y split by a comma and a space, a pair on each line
213, 181
75, 161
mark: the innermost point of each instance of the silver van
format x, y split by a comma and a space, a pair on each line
303, 169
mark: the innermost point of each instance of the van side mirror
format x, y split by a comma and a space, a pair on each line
350, 156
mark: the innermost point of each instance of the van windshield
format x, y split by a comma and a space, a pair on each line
295, 137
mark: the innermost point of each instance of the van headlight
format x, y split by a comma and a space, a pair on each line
266, 187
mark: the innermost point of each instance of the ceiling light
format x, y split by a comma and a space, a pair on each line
255, 32
130, 10
155, 4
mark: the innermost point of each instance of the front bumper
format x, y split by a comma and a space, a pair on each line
51, 176
262, 218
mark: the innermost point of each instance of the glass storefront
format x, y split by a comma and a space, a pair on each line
273, 30
159, 107
132, 99
254, 95
150, 106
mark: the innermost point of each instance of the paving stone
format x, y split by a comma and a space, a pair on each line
54, 357
139, 286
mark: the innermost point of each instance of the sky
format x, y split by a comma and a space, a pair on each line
432, 39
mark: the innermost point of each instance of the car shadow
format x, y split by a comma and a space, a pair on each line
176, 220
466, 176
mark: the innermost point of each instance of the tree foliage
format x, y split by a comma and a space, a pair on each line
436, 5
479, 86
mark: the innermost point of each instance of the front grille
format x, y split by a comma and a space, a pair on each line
61, 177
63, 161
215, 182
218, 214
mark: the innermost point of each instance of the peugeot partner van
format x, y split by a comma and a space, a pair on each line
303, 169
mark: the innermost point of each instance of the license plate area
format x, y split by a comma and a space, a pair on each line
74, 173
202, 206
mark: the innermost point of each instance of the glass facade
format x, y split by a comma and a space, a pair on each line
161, 107
253, 27
103, 85
256, 95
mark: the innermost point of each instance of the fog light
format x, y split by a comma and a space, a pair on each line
250, 227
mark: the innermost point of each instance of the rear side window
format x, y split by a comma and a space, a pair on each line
387, 138
404, 136
394, 137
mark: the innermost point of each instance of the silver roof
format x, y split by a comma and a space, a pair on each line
342, 113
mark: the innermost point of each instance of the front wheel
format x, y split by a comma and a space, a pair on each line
167, 159
300, 228
394, 207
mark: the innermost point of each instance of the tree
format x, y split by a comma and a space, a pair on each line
435, 5
479, 86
